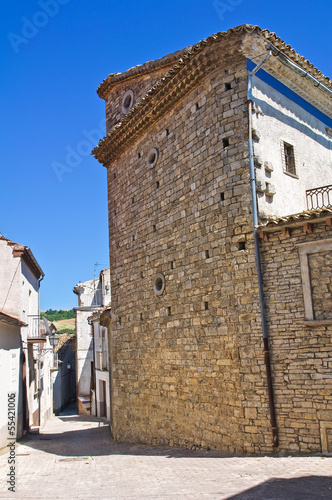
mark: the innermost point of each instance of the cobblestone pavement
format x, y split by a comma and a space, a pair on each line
73, 457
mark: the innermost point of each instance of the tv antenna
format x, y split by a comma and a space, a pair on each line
95, 270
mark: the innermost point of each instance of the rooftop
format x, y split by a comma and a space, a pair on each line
11, 320
185, 70
308, 216
26, 254
166, 61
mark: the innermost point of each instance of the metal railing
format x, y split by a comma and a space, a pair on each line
36, 327
320, 197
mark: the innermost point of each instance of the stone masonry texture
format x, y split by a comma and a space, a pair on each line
301, 352
320, 265
188, 364
176, 377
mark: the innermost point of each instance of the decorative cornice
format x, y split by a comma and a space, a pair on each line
178, 81
164, 62
182, 78
149, 67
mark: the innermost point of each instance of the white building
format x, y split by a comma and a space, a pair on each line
101, 395
92, 296
11, 374
25, 353
291, 134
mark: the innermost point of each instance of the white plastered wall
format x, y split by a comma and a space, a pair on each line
284, 120
10, 343
84, 353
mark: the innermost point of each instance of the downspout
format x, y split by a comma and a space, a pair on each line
258, 260
287, 62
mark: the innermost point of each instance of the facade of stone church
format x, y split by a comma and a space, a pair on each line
192, 139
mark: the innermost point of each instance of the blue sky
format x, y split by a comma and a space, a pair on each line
54, 55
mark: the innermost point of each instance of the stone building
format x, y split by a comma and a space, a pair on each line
297, 274
204, 148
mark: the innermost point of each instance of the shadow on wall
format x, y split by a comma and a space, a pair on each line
64, 383
83, 367
297, 488
292, 122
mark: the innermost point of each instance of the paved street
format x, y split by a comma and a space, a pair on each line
73, 457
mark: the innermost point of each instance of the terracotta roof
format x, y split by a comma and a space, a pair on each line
97, 314
140, 70
183, 76
151, 66
11, 320
296, 219
65, 339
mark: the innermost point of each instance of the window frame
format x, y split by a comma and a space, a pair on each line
291, 171
304, 250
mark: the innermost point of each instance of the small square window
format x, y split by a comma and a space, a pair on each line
288, 158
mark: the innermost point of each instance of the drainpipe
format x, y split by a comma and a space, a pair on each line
287, 62
258, 260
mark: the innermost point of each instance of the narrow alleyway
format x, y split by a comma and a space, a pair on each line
73, 457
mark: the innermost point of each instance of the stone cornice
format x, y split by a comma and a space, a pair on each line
147, 68
179, 81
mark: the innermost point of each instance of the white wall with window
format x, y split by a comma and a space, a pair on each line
292, 149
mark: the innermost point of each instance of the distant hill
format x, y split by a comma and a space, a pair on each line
65, 326
54, 315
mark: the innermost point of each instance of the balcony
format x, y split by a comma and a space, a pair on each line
36, 329
320, 197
